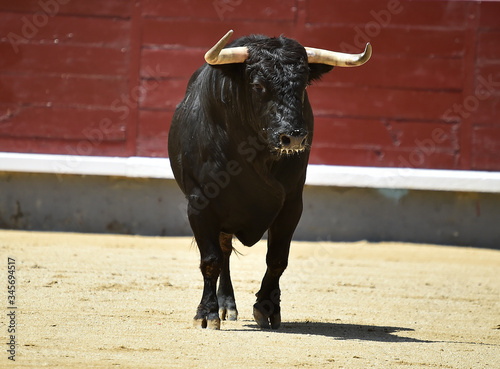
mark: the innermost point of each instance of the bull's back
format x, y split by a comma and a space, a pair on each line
184, 124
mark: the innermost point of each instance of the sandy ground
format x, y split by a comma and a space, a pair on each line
94, 301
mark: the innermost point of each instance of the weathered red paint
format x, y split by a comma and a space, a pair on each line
429, 97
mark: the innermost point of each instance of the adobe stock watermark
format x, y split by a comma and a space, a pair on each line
223, 6
32, 24
95, 136
424, 148
485, 88
372, 29
319, 252
248, 150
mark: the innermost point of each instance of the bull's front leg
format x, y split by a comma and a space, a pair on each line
207, 314
225, 292
267, 310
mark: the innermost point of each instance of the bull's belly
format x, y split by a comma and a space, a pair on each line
251, 221
251, 235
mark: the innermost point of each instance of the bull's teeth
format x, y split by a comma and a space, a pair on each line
283, 151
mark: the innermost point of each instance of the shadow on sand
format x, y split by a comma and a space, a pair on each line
345, 331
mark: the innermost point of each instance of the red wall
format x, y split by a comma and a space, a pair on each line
103, 77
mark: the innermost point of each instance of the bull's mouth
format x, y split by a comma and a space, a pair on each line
288, 152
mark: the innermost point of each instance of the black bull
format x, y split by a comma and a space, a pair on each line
239, 146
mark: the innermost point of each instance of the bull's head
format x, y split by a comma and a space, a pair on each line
277, 73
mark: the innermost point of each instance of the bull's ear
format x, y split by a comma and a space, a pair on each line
316, 71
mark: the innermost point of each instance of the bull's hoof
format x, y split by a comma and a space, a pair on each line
228, 314
207, 323
275, 320
264, 320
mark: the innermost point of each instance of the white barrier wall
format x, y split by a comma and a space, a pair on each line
139, 196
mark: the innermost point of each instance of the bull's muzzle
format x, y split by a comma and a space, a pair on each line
292, 143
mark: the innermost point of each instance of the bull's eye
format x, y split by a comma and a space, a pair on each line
258, 87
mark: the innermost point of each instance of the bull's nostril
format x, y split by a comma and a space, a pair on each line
285, 140
303, 143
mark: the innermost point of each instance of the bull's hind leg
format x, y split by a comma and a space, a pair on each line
207, 315
225, 292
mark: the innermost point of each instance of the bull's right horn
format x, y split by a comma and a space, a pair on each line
218, 55
337, 59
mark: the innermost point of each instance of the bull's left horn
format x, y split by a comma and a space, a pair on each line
218, 55
337, 59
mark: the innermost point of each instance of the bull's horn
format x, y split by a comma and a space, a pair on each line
217, 55
337, 59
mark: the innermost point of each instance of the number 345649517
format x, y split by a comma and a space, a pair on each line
11, 280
